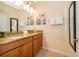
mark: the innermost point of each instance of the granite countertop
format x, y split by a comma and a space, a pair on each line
10, 39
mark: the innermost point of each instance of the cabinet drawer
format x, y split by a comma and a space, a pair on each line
6, 47
26, 40
12, 53
37, 36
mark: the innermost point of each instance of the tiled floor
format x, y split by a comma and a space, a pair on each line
46, 53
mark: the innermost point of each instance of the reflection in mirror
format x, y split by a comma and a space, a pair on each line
71, 24
13, 24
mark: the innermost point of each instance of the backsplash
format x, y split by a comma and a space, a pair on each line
7, 34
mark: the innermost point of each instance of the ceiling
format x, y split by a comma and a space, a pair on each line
40, 3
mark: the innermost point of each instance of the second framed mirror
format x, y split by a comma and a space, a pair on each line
13, 24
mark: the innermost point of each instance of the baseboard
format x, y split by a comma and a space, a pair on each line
57, 51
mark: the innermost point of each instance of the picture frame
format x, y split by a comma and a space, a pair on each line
41, 19
30, 21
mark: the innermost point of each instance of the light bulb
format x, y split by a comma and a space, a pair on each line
26, 6
33, 11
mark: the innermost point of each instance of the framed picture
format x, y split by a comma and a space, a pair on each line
30, 21
38, 21
41, 19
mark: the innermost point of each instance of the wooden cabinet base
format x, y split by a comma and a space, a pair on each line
26, 50
26, 47
12, 53
37, 44
35, 47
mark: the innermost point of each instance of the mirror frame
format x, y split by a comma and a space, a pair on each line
74, 25
11, 24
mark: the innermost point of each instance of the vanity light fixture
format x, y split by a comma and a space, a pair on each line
29, 9
20, 4
32, 10
26, 6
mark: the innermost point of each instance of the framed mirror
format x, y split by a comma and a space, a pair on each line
13, 24
72, 25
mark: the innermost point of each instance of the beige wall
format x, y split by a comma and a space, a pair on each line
53, 34
10, 11
55, 37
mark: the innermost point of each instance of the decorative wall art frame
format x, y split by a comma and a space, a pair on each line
41, 19
30, 21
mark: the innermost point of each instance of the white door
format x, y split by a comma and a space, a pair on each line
77, 26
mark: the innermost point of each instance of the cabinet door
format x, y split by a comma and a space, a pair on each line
40, 43
27, 50
35, 47
12, 53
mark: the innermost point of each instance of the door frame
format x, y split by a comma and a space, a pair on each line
74, 25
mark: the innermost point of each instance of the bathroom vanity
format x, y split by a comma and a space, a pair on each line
21, 46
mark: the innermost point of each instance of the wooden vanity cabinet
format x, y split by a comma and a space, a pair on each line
35, 47
23, 51
24, 47
26, 50
37, 43
40, 43
12, 53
